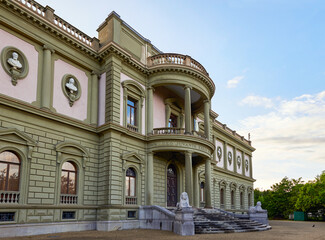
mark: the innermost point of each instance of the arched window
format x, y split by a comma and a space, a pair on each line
202, 192
9, 171
68, 178
241, 200
222, 198
249, 200
130, 187
232, 199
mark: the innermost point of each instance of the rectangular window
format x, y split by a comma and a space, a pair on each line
68, 215
7, 216
131, 112
131, 214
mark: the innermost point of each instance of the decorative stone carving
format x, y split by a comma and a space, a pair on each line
258, 214
238, 161
219, 152
184, 201
246, 164
229, 157
71, 88
14, 63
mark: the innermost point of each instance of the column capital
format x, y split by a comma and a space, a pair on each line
95, 73
47, 47
151, 88
187, 86
206, 101
188, 153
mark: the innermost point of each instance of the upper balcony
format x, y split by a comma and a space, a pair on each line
178, 69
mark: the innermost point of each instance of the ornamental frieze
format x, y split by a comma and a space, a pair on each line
179, 144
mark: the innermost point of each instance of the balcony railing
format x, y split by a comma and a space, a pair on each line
172, 130
132, 128
9, 197
175, 130
68, 199
131, 200
177, 59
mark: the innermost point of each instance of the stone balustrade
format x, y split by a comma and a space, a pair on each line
175, 59
132, 128
131, 200
8, 197
68, 199
48, 14
169, 130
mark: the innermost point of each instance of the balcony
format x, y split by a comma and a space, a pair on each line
68, 199
176, 59
176, 131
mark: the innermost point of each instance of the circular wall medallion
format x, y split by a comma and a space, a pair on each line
229, 157
71, 88
219, 152
246, 164
238, 161
15, 63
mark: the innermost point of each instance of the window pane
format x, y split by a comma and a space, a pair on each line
68, 166
3, 176
127, 186
131, 103
72, 183
9, 157
64, 182
132, 186
13, 184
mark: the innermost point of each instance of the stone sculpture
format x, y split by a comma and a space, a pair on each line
72, 91
184, 201
14, 62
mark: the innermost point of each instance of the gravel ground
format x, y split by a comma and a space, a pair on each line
280, 230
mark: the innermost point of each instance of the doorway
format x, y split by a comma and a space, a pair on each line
171, 186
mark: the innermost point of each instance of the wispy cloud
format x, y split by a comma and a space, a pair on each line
289, 140
257, 101
232, 83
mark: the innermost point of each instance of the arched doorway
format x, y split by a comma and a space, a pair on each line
171, 186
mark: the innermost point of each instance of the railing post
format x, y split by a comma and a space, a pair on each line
187, 60
49, 13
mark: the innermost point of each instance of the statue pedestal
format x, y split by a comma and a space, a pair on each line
184, 224
260, 217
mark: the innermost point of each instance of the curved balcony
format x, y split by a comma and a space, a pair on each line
175, 139
177, 59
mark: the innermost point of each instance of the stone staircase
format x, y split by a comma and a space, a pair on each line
217, 221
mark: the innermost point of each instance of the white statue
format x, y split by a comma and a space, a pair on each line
14, 62
183, 202
257, 208
71, 86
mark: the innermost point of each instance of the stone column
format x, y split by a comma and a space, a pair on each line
207, 186
94, 99
250, 167
235, 160
188, 176
149, 194
207, 118
188, 122
46, 92
150, 110
125, 102
196, 189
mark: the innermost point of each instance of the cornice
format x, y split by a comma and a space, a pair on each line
14, 103
235, 139
233, 174
47, 26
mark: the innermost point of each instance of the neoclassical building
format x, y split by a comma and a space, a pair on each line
92, 128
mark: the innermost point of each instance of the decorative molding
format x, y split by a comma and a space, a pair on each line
219, 153
71, 88
73, 149
229, 158
15, 63
238, 161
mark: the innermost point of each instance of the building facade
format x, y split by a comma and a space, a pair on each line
92, 128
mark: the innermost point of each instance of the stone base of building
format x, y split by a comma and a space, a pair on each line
117, 225
16, 230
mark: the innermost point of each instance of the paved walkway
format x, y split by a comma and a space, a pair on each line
280, 230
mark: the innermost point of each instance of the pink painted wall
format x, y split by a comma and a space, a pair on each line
60, 101
159, 109
26, 88
101, 100
123, 78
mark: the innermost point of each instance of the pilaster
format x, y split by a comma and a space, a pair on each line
207, 186
46, 86
94, 99
149, 193
150, 110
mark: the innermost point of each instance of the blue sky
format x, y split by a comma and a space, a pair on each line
266, 58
